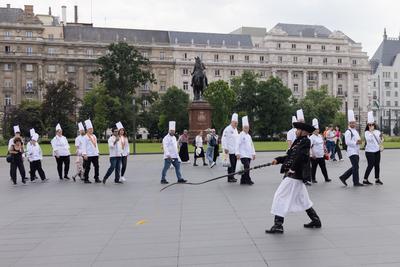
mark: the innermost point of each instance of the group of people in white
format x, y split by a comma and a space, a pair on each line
87, 154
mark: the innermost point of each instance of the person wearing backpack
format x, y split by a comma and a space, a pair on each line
353, 141
373, 142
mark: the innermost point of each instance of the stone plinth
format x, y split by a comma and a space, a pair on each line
199, 117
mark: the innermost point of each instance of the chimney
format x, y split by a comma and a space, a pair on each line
49, 10
28, 10
8, 6
76, 14
64, 14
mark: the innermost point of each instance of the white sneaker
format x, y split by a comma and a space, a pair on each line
122, 179
212, 164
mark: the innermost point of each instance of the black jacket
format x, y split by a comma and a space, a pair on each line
297, 158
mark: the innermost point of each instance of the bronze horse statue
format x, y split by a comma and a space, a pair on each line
199, 80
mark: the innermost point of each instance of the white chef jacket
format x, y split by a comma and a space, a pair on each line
372, 142
291, 135
229, 139
79, 141
245, 146
351, 141
34, 152
88, 149
60, 146
113, 147
317, 146
126, 150
170, 147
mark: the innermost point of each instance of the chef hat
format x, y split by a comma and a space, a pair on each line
315, 123
235, 117
350, 115
294, 119
58, 127
371, 118
300, 115
245, 121
32, 132
172, 125
80, 126
35, 137
88, 124
119, 125
16, 129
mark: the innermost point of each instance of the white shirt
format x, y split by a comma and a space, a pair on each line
60, 146
291, 135
372, 142
351, 139
170, 147
79, 141
317, 146
199, 141
229, 139
88, 148
113, 147
126, 149
34, 152
331, 135
245, 146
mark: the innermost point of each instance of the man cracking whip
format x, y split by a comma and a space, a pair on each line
292, 195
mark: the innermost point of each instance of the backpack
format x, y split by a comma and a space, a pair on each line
344, 146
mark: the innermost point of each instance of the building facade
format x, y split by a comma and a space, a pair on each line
41, 48
384, 83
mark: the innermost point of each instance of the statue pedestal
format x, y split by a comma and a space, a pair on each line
199, 117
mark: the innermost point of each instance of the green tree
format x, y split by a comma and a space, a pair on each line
59, 106
273, 107
149, 114
123, 69
319, 104
339, 120
245, 87
174, 107
28, 115
222, 99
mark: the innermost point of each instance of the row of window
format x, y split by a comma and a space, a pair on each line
28, 34
308, 47
387, 74
50, 68
339, 89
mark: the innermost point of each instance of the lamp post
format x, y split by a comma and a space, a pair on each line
134, 125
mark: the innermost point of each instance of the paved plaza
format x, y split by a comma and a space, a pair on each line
217, 224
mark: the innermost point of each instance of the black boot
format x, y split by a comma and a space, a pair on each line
277, 228
315, 221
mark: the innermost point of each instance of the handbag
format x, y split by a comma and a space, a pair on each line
225, 160
9, 158
381, 147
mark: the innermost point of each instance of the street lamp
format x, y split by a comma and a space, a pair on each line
134, 125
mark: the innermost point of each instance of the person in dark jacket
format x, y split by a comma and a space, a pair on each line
16, 151
292, 195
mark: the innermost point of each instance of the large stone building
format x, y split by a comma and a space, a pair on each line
41, 48
384, 82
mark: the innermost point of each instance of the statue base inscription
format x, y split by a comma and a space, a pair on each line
199, 118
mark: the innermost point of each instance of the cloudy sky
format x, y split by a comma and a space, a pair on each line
362, 20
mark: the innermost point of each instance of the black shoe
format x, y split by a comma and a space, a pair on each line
314, 181
367, 182
343, 181
378, 181
313, 224
73, 178
14, 182
87, 181
24, 180
276, 229
118, 182
104, 180
66, 177
61, 178
97, 181
308, 183
250, 182
205, 164
182, 181
359, 184
45, 180
195, 164
328, 180
334, 160
232, 180
164, 182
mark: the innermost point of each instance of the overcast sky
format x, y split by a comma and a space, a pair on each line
361, 20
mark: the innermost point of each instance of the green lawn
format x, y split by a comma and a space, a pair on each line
143, 148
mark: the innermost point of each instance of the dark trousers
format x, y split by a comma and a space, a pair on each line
232, 168
374, 160
37, 166
124, 161
314, 164
246, 175
307, 171
60, 161
95, 161
354, 159
337, 149
115, 164
330, 146
17, 164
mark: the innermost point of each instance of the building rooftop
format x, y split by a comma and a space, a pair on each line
213, 39
11, 15
386, 53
